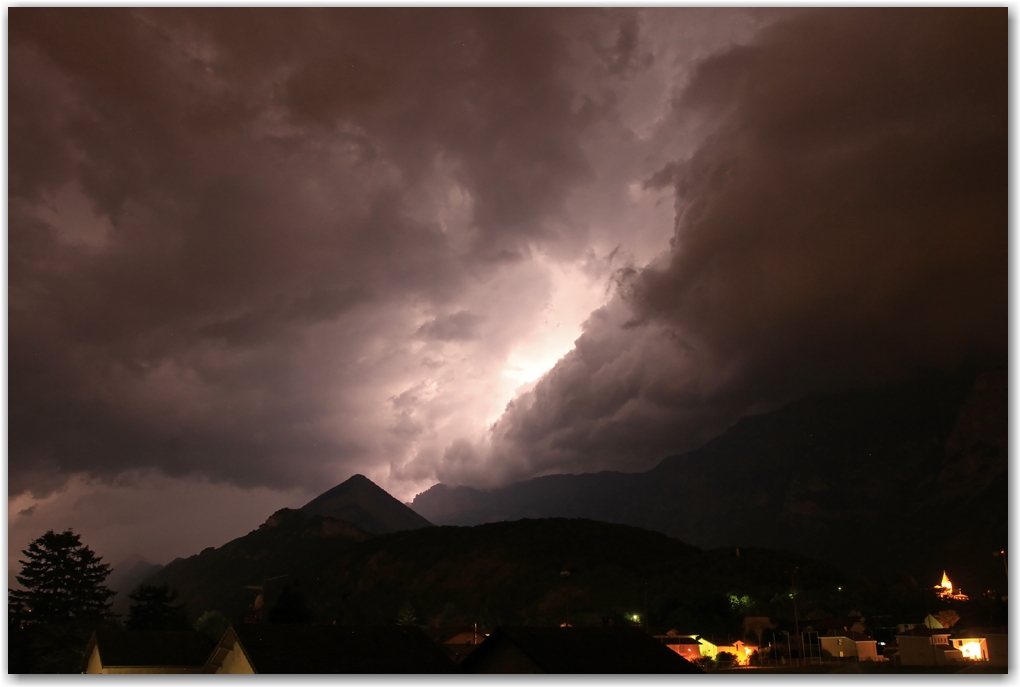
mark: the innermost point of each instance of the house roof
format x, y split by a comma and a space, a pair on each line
975, 632
449, 633
923, 632
824, 624
667, 640
123, 648
850, 634
328, 649
587, 650
721, 641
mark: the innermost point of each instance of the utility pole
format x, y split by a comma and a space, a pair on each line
934, 658
566, 593
646, 607
796, 617
1002, 553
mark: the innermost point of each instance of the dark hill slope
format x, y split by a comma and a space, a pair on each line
360, 501
288, 544
512, 572
911, 476
500, 573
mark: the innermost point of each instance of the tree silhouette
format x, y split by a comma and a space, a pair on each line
62, 601
726, 659
154, 609
213, 624
407, 615
62, 580
947, 618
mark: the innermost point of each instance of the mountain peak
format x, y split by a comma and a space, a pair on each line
361, 501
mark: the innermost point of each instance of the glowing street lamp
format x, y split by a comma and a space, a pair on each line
1002, 553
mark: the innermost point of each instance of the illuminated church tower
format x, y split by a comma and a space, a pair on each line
945, 590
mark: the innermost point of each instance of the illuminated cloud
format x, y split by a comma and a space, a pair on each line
843, 222
265, 249
278, 247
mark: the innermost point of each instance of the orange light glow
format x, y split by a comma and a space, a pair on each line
972, 650
944, 590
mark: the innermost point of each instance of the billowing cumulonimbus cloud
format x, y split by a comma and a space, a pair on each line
844, 222
275, 247
213, 212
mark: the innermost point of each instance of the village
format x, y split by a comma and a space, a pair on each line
939, 642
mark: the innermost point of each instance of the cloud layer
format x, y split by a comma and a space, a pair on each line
277, 247
262, 250
843, 222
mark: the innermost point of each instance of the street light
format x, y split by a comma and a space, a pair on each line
1002, 552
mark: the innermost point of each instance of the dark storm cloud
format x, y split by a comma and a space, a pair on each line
461, 325
254, 196
622, 60
843, 223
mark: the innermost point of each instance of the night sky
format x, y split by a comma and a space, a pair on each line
254, 252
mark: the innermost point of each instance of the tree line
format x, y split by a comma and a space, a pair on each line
64, 599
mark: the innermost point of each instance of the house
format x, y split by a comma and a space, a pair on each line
327, 649
710, 648
972, 648
997, 642
688, 647
458, 640
922, 646
575, 650
930, 622
849, 644
978, 644
112, 650
823, 626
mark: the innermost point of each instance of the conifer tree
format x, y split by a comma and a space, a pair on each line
153, 608
407, 615
63, 582
62, 602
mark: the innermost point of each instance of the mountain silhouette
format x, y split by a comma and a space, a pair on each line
507, 572
282, 550
909, 476
125, 578
362, 502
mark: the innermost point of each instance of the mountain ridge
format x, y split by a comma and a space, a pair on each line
843, 477
506, 572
